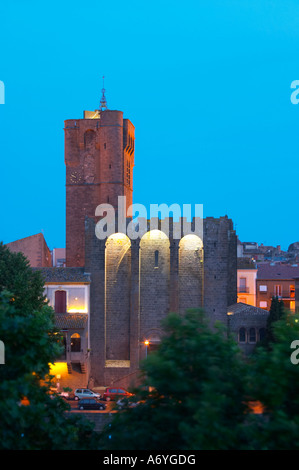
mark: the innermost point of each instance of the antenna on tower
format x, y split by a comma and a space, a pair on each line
103, 102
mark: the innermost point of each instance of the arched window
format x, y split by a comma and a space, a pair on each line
75, 343
252, 335
242, 335
89, 138
60, 301
262, 334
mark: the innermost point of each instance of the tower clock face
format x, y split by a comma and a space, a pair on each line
75, 177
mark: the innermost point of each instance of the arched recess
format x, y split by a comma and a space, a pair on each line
89, 139
75, 342
190, 272
154, 269
117, 296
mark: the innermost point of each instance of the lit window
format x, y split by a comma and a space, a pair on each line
263, 304
75, 343
263, 289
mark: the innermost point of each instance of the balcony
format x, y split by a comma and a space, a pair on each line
283, 296
243, 290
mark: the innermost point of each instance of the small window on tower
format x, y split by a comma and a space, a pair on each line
128, 173
105, 146
156, 259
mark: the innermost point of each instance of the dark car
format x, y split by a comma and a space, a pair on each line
115, 393
91, 404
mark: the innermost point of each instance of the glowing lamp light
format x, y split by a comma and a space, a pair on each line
146, 342
77, 310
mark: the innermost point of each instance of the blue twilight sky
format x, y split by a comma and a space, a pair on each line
207, 84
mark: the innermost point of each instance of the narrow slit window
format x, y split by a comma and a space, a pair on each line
156, 259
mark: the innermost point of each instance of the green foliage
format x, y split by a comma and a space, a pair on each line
276, 313
203, 388
18, 278
31, 342
197, 400
274, 381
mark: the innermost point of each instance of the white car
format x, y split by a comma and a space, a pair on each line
85, 393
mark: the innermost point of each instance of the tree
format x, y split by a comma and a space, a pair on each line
276, 313
198, 393
32, 342
274, 381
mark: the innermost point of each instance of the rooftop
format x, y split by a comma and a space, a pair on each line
66, 321
242, 308
277, 271
64, 275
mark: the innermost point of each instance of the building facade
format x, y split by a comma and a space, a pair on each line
68, 292
247, 324
246, 283
276, 280
112, 296
136, 283
34, 248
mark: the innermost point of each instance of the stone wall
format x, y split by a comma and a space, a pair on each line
136, 283
247, 317
98, 154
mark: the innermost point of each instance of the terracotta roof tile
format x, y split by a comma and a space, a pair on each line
66, 321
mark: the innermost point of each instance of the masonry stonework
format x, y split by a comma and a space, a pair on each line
136, 283
99, 159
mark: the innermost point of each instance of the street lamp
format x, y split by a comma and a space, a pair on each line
146, 342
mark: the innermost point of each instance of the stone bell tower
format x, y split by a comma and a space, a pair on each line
99, 159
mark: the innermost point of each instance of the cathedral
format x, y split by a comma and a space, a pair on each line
115, 289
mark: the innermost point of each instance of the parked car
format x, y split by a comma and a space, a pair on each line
91, 404
85, 393
67, 395
115, 394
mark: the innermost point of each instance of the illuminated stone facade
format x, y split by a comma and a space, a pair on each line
136, 283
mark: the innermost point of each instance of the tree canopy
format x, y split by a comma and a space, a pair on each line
197, 392
32, 342
192, 392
